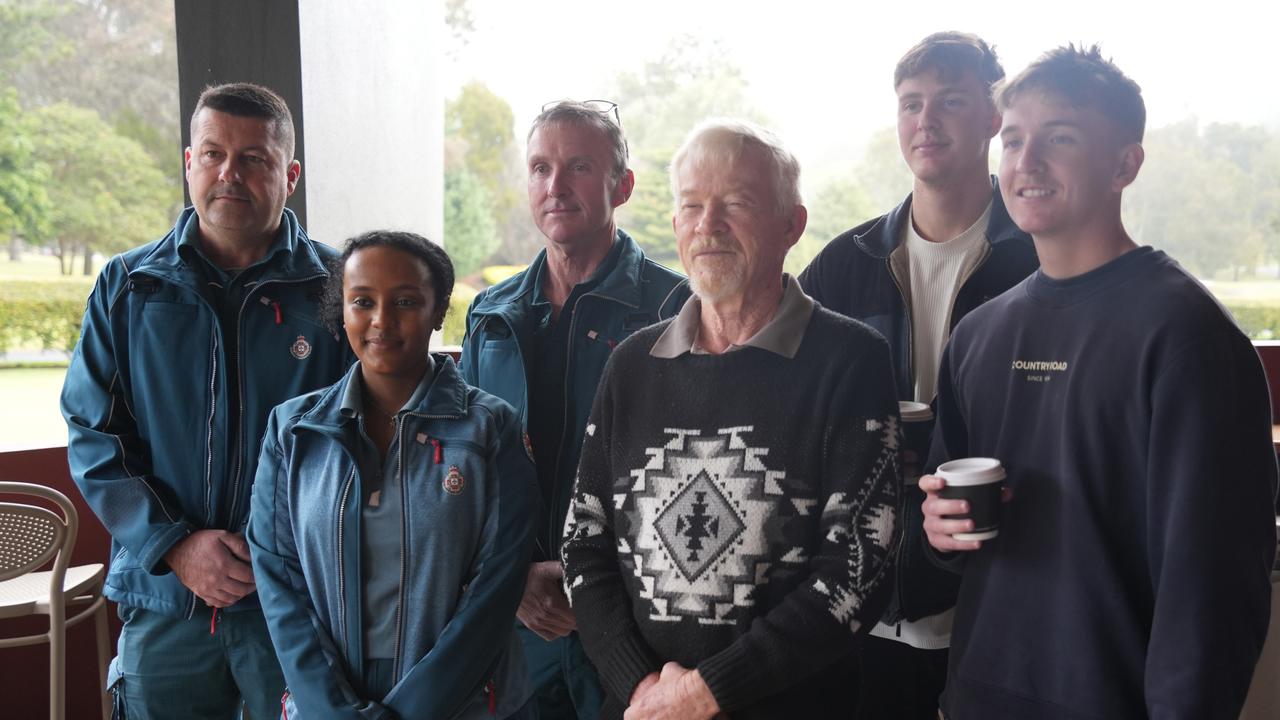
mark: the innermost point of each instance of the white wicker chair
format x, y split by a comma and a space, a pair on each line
30, 537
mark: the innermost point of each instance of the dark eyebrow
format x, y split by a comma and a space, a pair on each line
209, 142
366, 288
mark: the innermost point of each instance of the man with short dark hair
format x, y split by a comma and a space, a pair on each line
912, 274
188, 343
540, 341
1130, 576
737, 498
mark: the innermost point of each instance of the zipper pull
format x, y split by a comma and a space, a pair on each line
491, 690
266, 301
213, 622
438, 455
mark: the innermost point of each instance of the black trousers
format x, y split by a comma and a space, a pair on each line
899, 682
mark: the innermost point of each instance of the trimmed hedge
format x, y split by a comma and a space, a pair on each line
455, 322
1260, 322
42, 312
48, 314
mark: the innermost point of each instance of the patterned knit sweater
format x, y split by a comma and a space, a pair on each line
735, 513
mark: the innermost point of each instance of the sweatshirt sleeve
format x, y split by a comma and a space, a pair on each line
313, 667
849, 579
1210, 537
107, 456
454, 670
593, 577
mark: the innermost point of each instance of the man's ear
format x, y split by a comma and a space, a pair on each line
622, 190
796, 224
294, 172
1131, 158
997, 121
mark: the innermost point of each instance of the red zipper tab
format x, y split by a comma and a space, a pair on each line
491, 689
213, 622
279, 319
284, 712
438, 455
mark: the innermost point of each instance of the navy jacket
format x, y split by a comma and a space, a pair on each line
147, 394
500, 326
852, 276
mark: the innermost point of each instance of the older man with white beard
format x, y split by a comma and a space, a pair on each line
736, 500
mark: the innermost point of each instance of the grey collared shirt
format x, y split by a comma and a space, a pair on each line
380, 519
781, 335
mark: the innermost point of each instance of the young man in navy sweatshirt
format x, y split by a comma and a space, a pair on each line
1130, 577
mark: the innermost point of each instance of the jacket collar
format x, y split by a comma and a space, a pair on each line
291, 254
447, 397
621, 285
884, 234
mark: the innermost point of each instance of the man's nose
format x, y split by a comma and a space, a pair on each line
229, 170
711, 220
557, 184
928, 118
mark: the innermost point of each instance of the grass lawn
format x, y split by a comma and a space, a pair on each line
1246, 292
29, 414
35, 266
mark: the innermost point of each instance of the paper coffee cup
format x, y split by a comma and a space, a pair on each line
917, 423
977, 480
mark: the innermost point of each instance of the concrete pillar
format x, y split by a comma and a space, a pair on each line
361, 80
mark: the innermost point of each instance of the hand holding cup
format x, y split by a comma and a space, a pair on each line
962, 503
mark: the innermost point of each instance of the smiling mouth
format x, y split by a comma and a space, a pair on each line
1033, 193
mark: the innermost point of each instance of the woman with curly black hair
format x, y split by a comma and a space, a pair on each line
392, 513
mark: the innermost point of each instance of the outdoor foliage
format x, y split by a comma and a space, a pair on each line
40, 312
484, 172
1209, 196
88, 125
455, 321
105, 192
471, 231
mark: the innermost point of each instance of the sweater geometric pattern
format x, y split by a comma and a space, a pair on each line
702, 504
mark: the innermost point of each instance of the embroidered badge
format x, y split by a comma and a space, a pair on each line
528, 446
453, 482
300, 348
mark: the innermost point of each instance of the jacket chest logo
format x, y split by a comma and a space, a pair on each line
453, 481
300, 348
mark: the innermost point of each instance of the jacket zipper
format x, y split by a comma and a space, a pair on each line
552, 532
342, 593
404, 555
232, 507
906, 305
911, 357
208, 446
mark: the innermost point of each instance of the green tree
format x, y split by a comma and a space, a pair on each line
105, 191
480, 137
658, 105
837, 206
470, 234
1207, 197
115, 57
883, 174
24, 199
